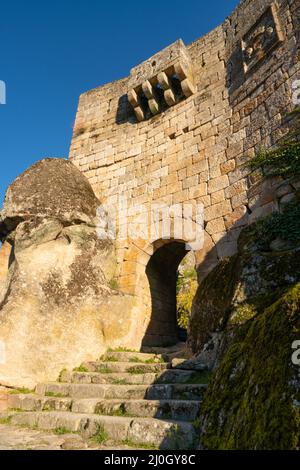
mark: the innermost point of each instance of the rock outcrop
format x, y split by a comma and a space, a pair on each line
246, 316
57, 307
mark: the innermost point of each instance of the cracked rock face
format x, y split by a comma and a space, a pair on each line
56, 306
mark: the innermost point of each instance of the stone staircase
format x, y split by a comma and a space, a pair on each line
128, 398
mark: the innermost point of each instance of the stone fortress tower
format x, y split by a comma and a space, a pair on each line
179, 130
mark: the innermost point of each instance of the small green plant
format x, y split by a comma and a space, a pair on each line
114, 284
5, 420
285, 159
174, 437
21, 391
185, 297
284, 225
120, 411
101, 435
197, 424
135, 359
104, 370
62, 430
109, 359
155, 361
81, 368
54, 394
242, 313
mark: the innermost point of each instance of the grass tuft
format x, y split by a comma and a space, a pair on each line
101, 435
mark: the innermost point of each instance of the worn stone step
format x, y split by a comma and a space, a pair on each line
33, 402
179, 347
163, 434
131, 356
129, 367
125, 378
125, 392
180, 410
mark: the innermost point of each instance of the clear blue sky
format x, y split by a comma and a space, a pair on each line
52, 51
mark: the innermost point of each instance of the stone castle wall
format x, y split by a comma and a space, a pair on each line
136, 138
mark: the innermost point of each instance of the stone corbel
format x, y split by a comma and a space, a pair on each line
135, 103
185, 76
150, 94
164, 82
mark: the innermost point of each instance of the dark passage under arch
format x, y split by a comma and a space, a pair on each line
162, 276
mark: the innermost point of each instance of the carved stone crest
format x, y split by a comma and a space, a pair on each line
262, 38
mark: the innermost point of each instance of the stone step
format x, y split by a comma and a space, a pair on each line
179, 347
180, 410
125, 378
129, 367
161, 434
131, 356
125, 392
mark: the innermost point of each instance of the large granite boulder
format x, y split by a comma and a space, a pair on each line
57, 308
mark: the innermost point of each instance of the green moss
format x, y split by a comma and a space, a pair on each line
104, 370
21, 391
101, 435
285, 159
114, 284
5, 420
54, 395
201, 377
109, 358
213, 302
81, 369
62, 430
284, 225
249, 402
242, 313
121, 349
135, 359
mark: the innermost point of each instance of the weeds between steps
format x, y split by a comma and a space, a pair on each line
6, 420
54, 395
63, 430
104, 370
20, 391
100, 436
80, 369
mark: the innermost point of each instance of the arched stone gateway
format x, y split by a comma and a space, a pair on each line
162, 276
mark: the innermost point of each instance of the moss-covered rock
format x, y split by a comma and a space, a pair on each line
239, 288
253, 399
212, 303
